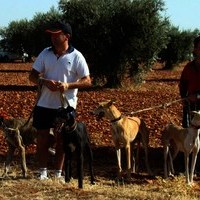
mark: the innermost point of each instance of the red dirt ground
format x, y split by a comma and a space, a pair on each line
18, 96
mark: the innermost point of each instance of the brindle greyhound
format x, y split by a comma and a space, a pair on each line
18, 134
181, 139
124, 131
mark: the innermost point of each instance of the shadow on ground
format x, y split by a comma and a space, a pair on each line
105, 163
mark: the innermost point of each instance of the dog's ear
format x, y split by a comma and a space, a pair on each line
196, 118
110, 103
60, 109
113, 100
195, 112
70, 109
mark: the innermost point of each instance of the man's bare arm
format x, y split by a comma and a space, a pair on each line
34, 76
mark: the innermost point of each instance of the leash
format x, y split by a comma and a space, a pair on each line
37, 99
163, 106
64, 100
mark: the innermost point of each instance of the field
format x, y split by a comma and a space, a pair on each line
156, 100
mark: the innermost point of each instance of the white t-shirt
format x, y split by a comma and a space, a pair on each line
69, 67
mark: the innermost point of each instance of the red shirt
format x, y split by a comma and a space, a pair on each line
190, 80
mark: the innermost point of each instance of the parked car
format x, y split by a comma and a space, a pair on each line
8, 56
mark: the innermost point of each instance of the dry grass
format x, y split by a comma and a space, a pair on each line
140, 187
104, 189
160, 87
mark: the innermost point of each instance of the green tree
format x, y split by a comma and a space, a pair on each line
179, 47
15, 35
117, 35
39, 23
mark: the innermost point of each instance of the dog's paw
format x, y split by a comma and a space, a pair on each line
5, 176
93, 182
119, 180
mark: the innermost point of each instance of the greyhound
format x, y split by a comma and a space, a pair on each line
75, 139
18, 133
124, 131
181, 139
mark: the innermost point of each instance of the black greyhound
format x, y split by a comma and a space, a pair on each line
75, 139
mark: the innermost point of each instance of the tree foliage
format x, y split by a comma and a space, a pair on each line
179, 47
117, 35
39, 23
15, 35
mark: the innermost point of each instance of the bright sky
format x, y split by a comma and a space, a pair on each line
182, 13
11, 10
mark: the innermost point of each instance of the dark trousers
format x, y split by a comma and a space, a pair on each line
188, 106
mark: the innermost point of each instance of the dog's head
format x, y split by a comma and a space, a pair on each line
196, 118
102, 109
65, 116
3, 117
4, 122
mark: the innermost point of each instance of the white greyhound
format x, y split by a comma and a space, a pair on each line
185, 140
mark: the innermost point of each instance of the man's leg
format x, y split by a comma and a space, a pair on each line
59, 156
42, 151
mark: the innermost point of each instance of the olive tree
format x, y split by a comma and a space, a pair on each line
179, 47
14, 35
117, 36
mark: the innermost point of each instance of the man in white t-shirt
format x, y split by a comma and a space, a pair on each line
59, 69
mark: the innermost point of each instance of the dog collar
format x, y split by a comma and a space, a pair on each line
117, 119
72, 128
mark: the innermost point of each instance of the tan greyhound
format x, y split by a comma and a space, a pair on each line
124, 131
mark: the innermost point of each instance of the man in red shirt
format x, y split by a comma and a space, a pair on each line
189, 87
190, 84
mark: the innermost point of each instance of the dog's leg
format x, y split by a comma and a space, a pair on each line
89, 153
145, 141
170, 164
118, 151
135, 160
147, 160
9, 158
186, 156
23, 153
68, 163
194, 158
168, 160
80, 167
172, 157
144, 138
166, 152
128, 160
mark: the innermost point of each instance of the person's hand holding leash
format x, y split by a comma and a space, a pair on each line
62, 86
53, 85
